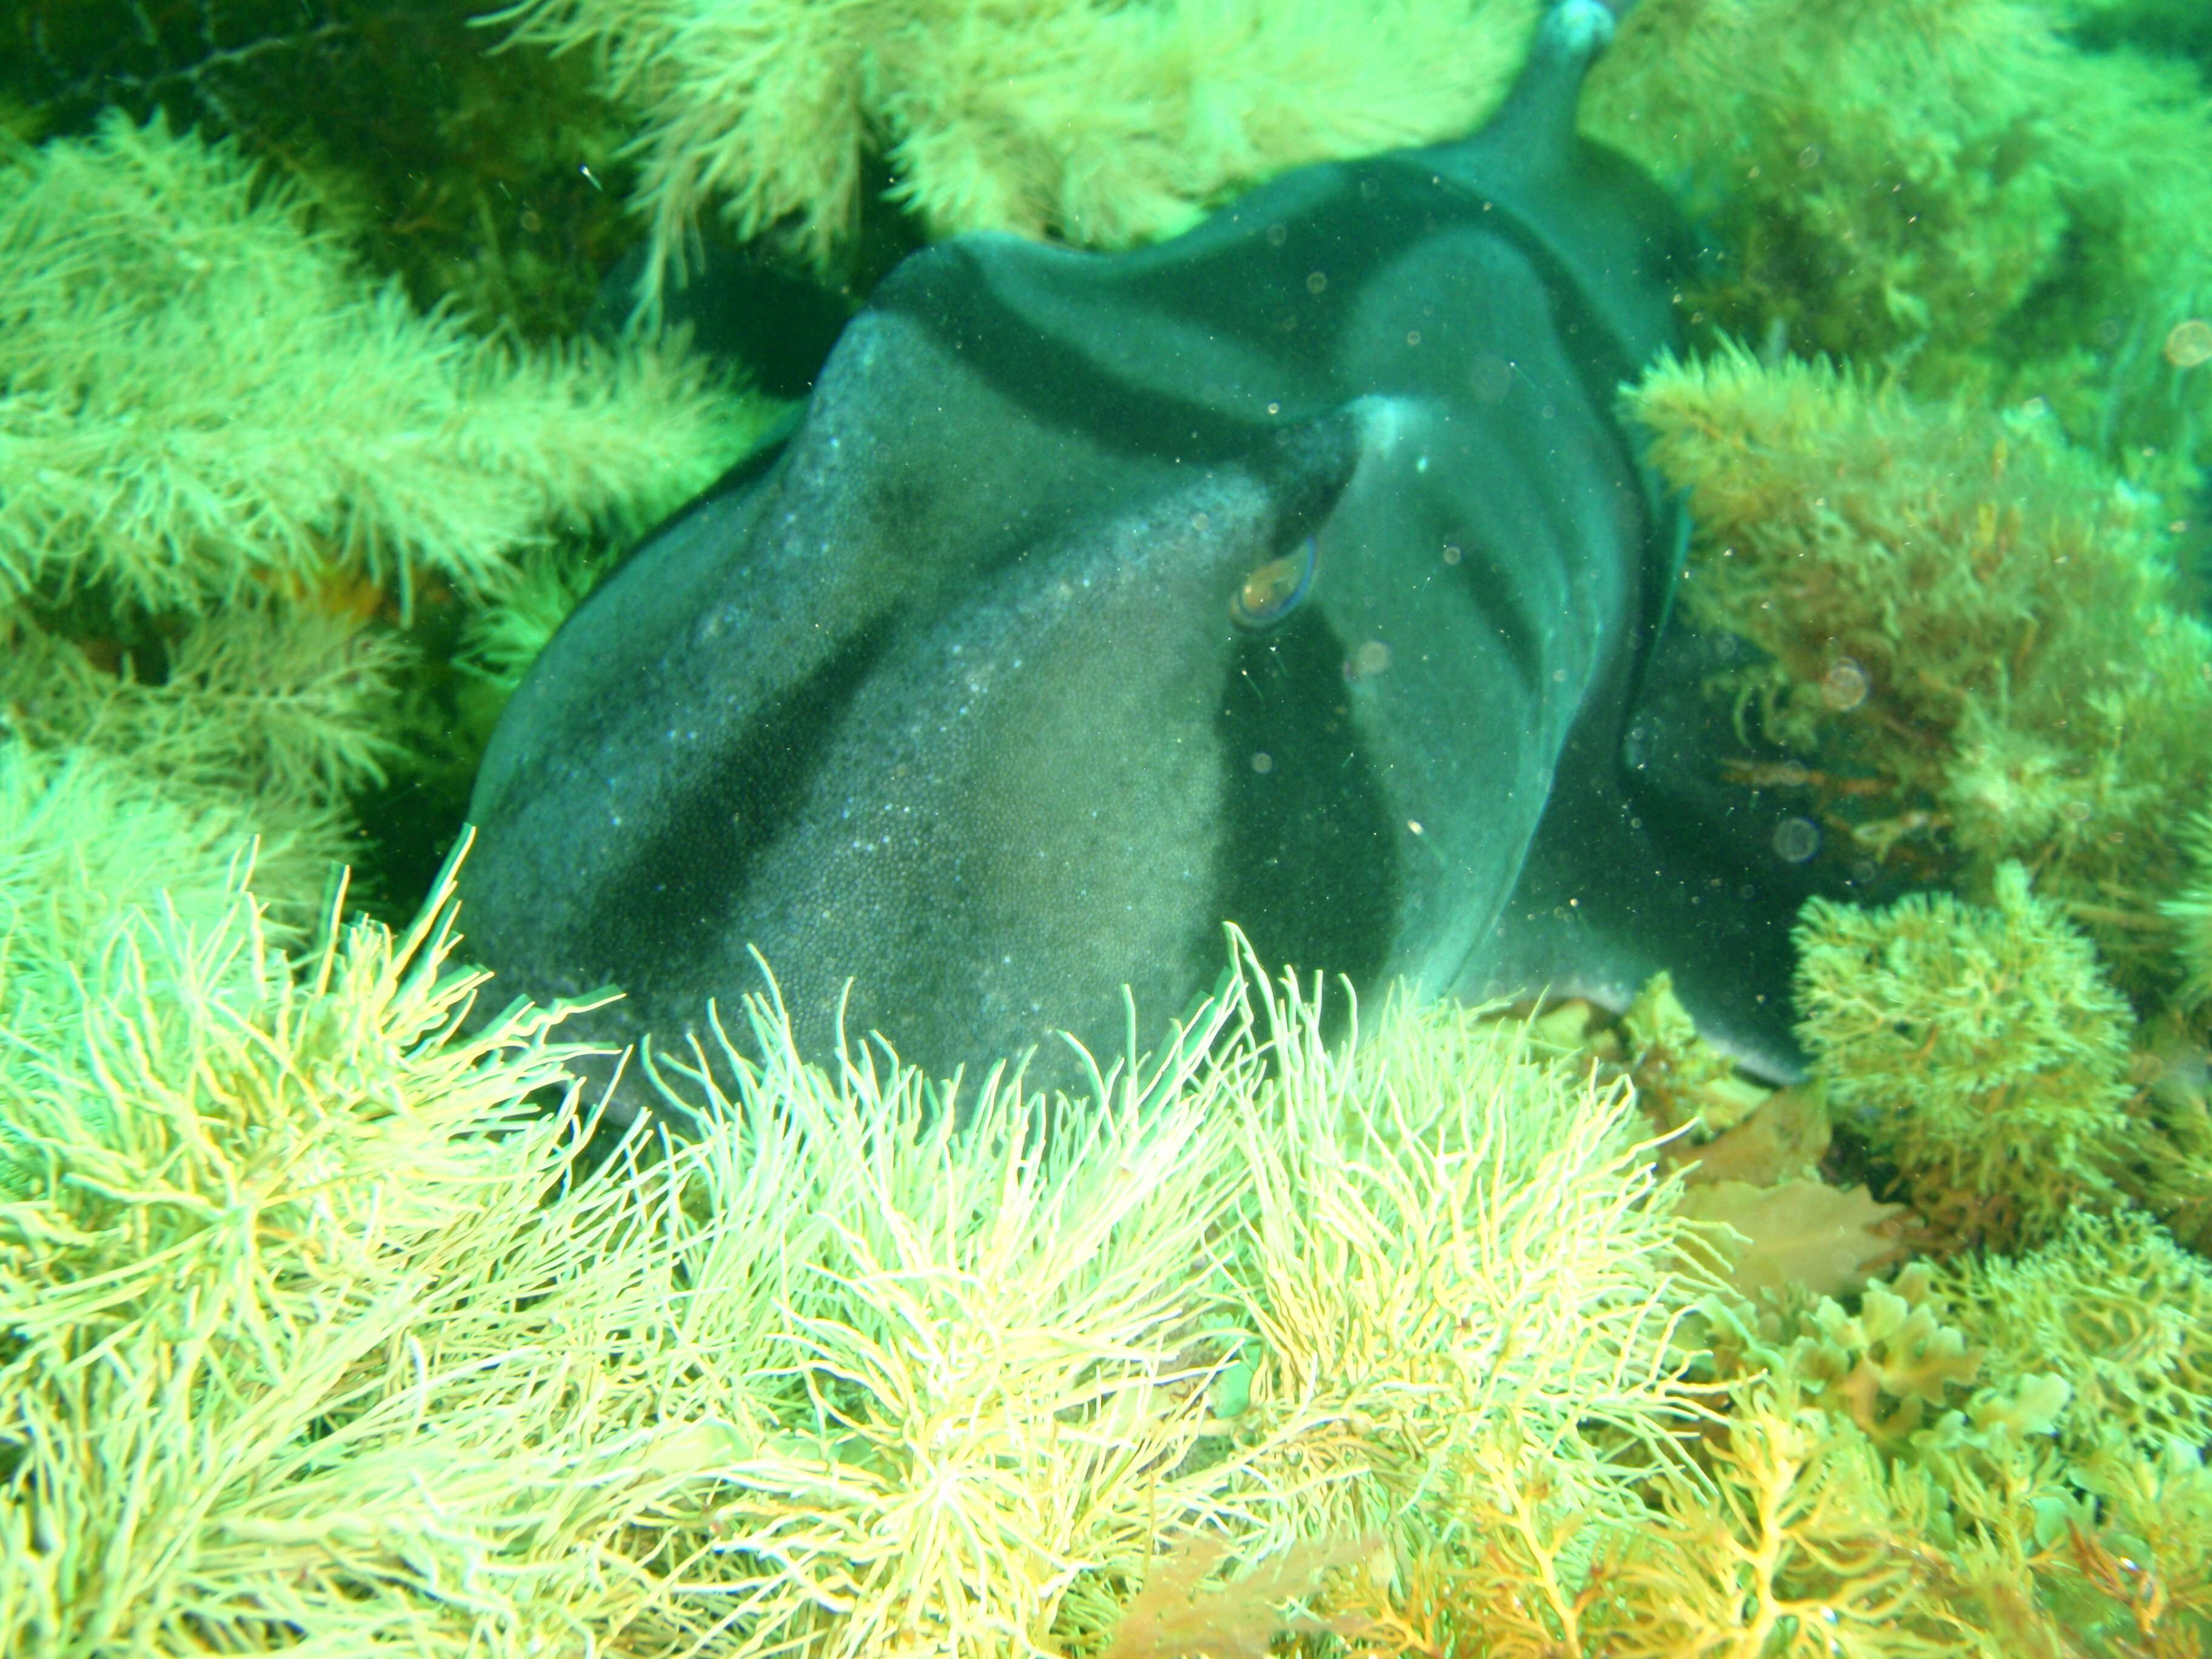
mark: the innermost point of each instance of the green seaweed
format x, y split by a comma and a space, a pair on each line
1983, 1050
1969, 625
1101, 126
231, 461
309, 1331
1945, 192
2110, 1303
492, 182
2191, 910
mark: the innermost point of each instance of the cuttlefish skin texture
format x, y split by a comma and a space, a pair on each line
999, 685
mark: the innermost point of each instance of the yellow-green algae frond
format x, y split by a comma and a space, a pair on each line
312, 1338
315, 1336
1973, 631
1101, 126
1981, 1049
205, 395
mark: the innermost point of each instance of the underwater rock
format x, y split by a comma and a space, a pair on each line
1281, 574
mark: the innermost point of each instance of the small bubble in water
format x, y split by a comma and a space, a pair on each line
1263, 761
2189, 343
1844, 686
1795, 840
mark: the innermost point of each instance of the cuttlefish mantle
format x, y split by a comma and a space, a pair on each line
1298, 573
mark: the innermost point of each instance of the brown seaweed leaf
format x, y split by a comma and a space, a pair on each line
1826, 1239
1177, 1615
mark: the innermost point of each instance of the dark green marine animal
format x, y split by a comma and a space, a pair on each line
1298, 573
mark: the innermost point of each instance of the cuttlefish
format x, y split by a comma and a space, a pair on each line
1298, 573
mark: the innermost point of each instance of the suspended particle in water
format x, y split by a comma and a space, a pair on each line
1844, 686
1489, 378
2189, 343
1797, 839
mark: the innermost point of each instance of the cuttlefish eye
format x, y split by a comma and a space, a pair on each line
1275, 589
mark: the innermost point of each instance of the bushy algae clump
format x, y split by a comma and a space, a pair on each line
204, 395
1101, 126
2191, 910
86, 842
1969, 626
1954, 194
1981, 1049
1948, 1469
228, 458
2114, 1306
311, 1331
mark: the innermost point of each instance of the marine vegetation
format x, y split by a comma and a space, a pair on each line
1102, 126
488, 182
317, 1335
229, 461
1970, 627
1980, 1050
330, 1324
250, 411
314, 1337
2114, 1306
1950, 193
2190, 909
